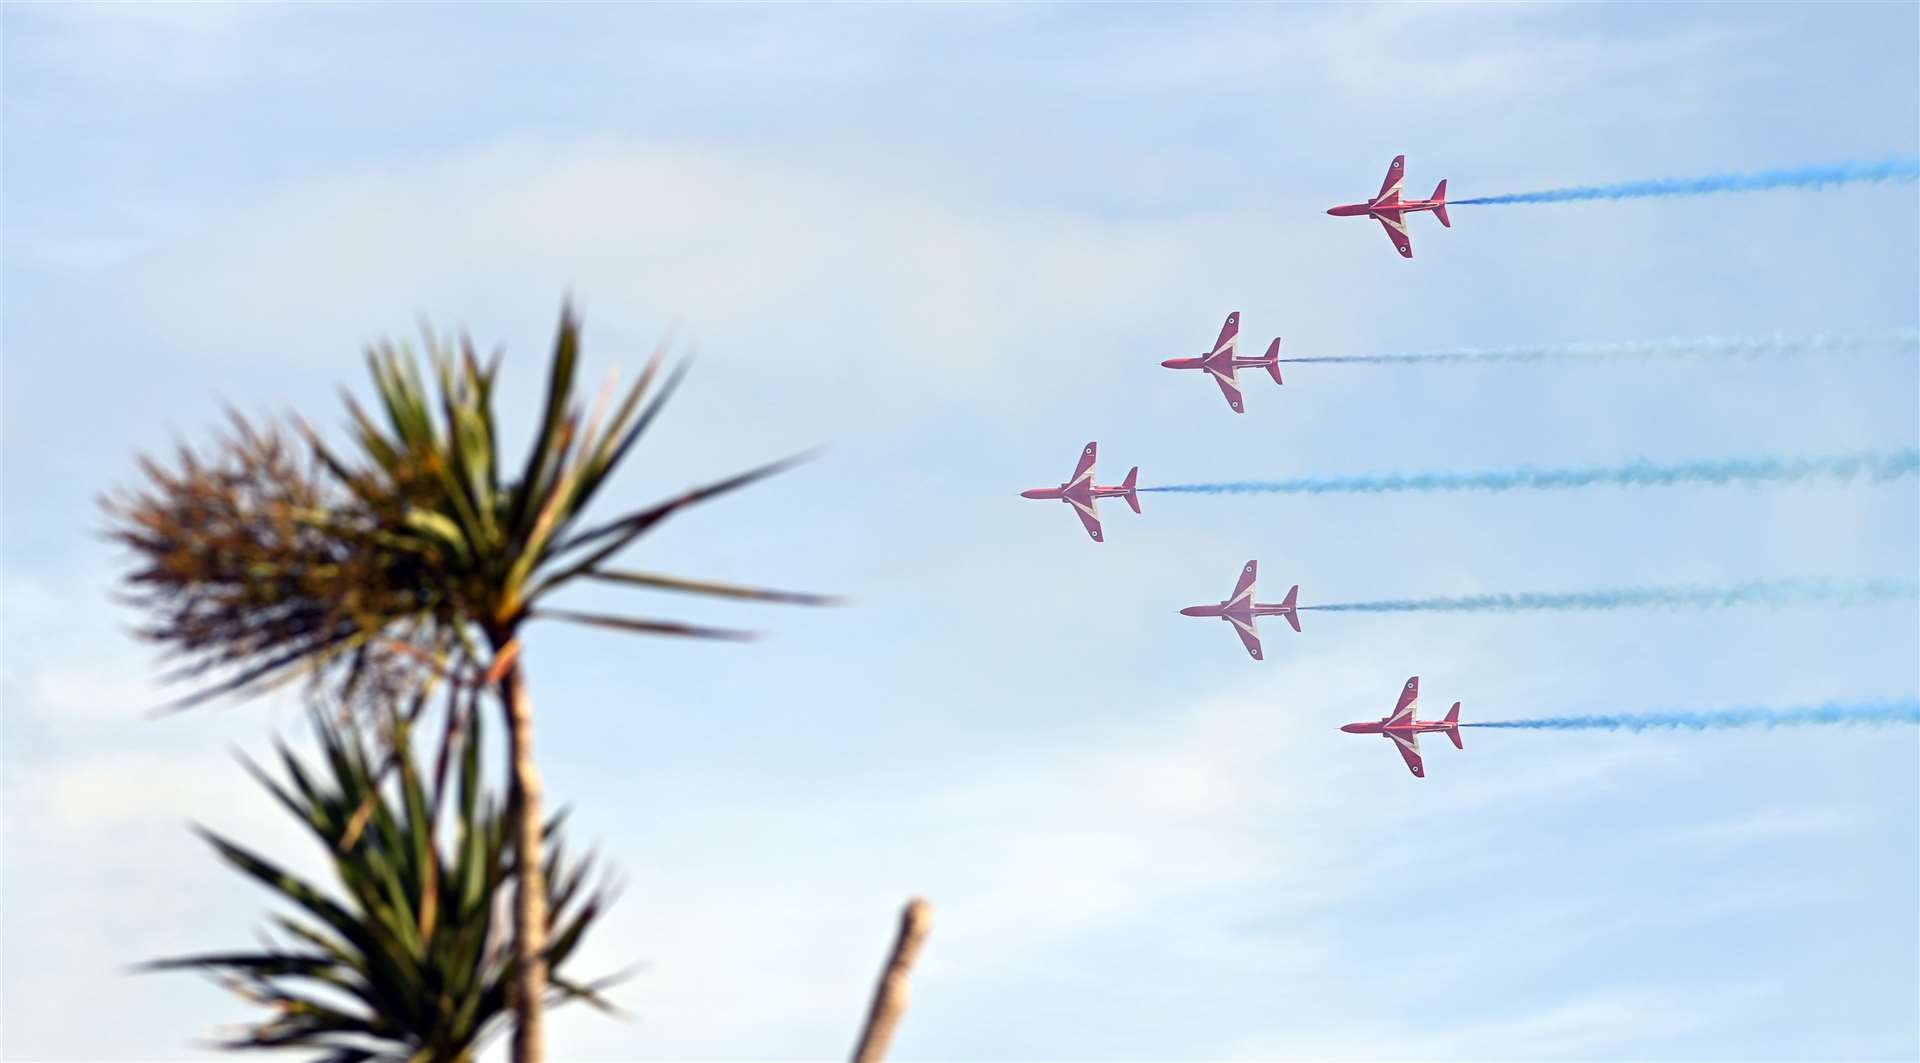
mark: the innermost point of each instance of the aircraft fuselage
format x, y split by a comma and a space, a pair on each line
1403, 206
1242, 611
1380, 727
1215, 361
1081, 493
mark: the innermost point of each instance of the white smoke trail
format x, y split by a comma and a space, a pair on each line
1895, 169
1899, 341
1775, 593
1868, 713
1876, 466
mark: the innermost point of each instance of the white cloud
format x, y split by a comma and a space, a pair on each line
144, 47
1395, 55
1589, 1026
82, 691
743, 246
1767, 825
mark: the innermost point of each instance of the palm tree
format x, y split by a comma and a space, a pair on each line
421, 558
412, 965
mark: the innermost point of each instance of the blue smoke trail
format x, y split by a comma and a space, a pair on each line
1774, 593
1894, 169
1877, 466
1900, 341
1868, 713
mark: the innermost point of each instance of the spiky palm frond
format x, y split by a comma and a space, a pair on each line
250, 565
255, 566
410, 959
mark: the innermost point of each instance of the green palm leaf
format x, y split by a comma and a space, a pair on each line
356, 976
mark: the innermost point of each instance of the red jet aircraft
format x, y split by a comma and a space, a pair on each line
1242, 611
1224, 359
1083, 495
1405, 730
1390, 210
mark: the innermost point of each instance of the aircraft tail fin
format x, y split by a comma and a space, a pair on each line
1292, 612
1453, 725
1133, 498
1273, 360
1440, 204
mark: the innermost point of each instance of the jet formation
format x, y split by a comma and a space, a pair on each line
1391, 211
1222, 362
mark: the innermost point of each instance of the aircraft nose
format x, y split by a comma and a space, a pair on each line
1192, 610
1170, 363
1034, 493
1349, 728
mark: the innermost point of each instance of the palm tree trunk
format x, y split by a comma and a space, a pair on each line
530, 892
890, 996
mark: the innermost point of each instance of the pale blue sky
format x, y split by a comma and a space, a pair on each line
954, 243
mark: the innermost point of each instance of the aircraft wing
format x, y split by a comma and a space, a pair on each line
1409, 701
1249, 636
1229, 333
1396, 176
1088, 517
1395, 225
1085, 468
1244, 588
1229, 382
1409, 747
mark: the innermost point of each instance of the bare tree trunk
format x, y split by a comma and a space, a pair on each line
890, 996
530, 892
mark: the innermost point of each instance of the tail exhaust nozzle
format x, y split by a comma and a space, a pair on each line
1453, 714
1440, 204
1293, 613
1133, 499
1273, 360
